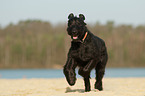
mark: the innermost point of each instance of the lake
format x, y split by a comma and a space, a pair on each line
58, 73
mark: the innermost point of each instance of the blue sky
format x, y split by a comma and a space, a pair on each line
56, 11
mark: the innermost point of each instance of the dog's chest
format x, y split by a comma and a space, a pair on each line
82, 52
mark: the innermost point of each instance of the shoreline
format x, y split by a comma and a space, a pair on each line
59, 87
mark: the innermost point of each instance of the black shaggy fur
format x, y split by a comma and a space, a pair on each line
85, 53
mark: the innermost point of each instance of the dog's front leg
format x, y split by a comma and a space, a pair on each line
85, 72
86, 77
69, 71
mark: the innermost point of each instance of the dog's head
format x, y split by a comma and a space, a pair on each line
76, 27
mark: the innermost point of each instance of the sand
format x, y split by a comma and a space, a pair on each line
59, 87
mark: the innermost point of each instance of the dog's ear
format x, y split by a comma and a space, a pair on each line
71, 15
81, 16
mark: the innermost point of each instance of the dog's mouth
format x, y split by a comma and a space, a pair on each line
75, 37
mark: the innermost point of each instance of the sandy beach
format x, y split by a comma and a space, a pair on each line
59, 87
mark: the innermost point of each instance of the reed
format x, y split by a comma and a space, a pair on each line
38, 44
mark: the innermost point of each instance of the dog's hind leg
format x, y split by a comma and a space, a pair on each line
99, 75
69, 71
100, 71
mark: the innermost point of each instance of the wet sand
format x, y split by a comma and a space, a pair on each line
59, 87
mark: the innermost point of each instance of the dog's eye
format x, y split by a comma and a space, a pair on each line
70, 23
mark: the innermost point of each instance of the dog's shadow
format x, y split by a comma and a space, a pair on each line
68, 89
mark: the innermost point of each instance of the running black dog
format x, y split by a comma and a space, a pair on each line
87, 52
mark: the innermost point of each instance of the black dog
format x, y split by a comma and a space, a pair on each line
87, 52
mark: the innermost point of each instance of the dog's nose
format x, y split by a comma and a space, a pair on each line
74, 32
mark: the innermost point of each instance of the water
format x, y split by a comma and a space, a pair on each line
58, 73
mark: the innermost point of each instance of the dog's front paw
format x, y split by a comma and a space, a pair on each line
70, 77
98, 86
87, 89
